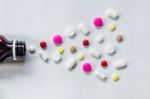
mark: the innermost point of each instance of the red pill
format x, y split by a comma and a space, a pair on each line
85, 42
104, 63
43, 44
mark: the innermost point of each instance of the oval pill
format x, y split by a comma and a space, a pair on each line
101, 75
112, 14
72, 49
95, 53
71, 63
43, 55
120, 64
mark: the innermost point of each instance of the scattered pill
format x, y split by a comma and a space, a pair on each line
85, 42
95, 53
119, 38
56, 57
98, 21
57, 39
87, 67
100, 38
120, 64
115, 77
84, 28
43, 55
110, 49
104, 63
80, 56
60, 50
72, 49
32, 49
112, 14
71, 63
112, 27
43, 44
71, 32
101, 75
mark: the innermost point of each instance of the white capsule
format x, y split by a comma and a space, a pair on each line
31, 49
120, 64
71, 32
110, 49
56, 57
43, 55
101, 75
112, 14
100, 39
84, 28
95, 53
71, 63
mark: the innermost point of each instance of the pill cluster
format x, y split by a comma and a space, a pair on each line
87, 67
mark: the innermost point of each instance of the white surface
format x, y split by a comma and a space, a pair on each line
36, 20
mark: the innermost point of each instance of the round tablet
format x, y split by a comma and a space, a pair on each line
80, 56
100, 38
71, 32
104, 63
119, 38
85, 42
110, 49
72, 49
56, 57
98, 21
57, 39
31, 49
87, 67
60, 50
112, 27
115, 77
43, 44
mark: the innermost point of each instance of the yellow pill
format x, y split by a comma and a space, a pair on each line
112, 27
115, 77
60, 50
80, 56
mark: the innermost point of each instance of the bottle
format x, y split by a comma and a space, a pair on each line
13, 49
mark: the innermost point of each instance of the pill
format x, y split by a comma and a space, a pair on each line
110, 49
119, 38
56, 57
84, 28
98, 21
104, 63
80, 56
43, 55
85, 42
31, 49
120, 64
71, 63
115, 76
100, 38
112, 27
87, 67
60, 50
43, 44
95, 53
71, 32
57, 39
101, 75
112, 14
72, 49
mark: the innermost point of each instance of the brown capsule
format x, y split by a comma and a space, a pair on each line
72, 49
119, 38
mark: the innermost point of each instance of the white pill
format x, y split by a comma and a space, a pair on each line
71, 63
101, 75
110, 49
56, 57
43, 55
112, 14
95, 53
120, 64
84, 28
100, 39
71, 32
31, 49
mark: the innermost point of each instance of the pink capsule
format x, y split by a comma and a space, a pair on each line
98, 22
57, 39
87, 67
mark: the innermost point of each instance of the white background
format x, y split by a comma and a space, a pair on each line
36, 20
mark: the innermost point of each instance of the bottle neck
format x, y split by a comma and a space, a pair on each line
18, 50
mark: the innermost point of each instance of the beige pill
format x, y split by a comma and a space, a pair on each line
119, 38
72, 49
